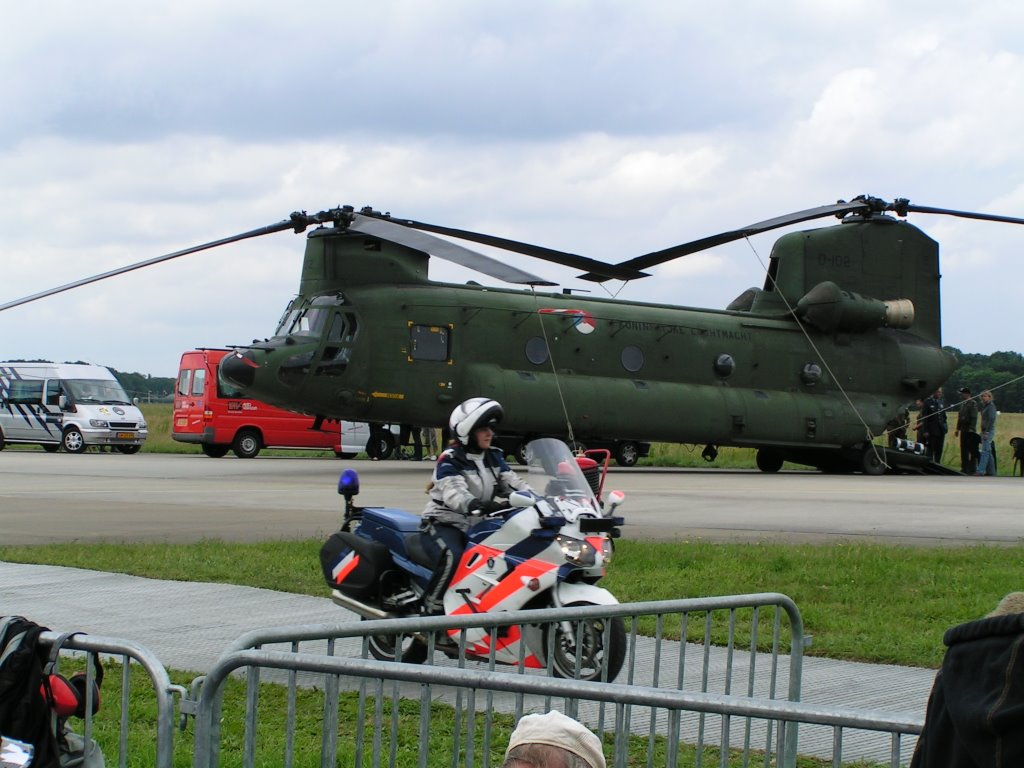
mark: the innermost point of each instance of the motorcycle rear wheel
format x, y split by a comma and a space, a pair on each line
382, 648
593, 656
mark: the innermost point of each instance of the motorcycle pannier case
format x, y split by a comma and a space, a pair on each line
354, 565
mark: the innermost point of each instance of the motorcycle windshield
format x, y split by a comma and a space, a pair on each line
554, 472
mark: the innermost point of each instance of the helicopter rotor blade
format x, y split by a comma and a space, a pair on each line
902, 207
611, 271
435, 246
297, 222
684, 249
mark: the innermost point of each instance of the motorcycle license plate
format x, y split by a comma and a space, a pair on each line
125, 435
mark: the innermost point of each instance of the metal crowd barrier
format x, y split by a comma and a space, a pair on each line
472, 735
125, 653
750, 645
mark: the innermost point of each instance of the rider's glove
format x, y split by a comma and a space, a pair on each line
477, 507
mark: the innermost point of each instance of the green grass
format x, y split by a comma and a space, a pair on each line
866, 602
309, 706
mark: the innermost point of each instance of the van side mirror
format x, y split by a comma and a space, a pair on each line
62, 402
136, 401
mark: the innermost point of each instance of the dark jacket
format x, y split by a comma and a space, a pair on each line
975, 716
967, 418
934, 415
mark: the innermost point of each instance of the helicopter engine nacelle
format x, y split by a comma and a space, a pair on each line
831, 309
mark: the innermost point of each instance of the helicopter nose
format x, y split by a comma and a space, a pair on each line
239, 368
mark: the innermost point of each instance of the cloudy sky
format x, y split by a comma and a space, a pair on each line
604, 128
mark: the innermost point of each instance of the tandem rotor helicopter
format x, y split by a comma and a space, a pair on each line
809, 368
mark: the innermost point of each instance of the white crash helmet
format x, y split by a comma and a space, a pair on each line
472, 414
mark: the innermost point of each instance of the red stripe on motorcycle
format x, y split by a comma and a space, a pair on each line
345, 567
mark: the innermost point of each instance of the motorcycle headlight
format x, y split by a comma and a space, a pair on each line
577, 551
98, 423
607, 550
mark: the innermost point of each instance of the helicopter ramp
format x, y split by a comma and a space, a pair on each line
908, 462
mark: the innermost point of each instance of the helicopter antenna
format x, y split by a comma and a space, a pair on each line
817, 352
554, 370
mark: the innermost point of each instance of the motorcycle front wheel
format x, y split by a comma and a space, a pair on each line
586, 641
412, 651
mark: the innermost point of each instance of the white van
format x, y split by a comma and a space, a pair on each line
70, 406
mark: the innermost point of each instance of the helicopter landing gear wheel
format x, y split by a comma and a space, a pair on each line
585, 641
381, 444
627, 453
382, 647
872, 461
520, 452
769, 460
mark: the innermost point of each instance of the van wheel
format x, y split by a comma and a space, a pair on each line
215, 451
73, 441
48, 447
247, 444
627, 453
3, 442
127, 449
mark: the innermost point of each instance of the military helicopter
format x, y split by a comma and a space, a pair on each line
807, 369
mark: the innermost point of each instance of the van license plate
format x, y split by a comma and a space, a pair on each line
125, 435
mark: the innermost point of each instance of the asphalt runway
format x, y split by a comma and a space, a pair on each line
177, 498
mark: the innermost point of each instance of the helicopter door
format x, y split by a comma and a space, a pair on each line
338, 344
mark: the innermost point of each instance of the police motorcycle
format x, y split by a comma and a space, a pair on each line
548, 549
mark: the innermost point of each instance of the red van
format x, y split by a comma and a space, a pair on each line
219, 420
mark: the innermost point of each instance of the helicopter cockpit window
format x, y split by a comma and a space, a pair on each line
429, 342
315, 317
291, 314
632, 358
338, 351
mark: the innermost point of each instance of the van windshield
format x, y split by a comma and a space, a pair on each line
97, 391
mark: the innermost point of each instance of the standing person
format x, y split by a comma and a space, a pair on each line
933, 413
471, 478
987, 461
898, 426
967, 431
919, 427
553, 740
405, 434
430, 442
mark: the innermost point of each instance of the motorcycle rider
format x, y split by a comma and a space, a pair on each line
470, 479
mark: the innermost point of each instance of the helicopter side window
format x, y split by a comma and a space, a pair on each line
632, 358
429, 342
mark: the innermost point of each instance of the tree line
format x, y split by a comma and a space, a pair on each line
1002, 372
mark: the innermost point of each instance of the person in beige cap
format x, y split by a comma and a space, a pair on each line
552, 740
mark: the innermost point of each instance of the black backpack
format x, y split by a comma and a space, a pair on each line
25, 716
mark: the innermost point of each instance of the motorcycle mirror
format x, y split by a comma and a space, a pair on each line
615, 498
348, 483
521, 499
